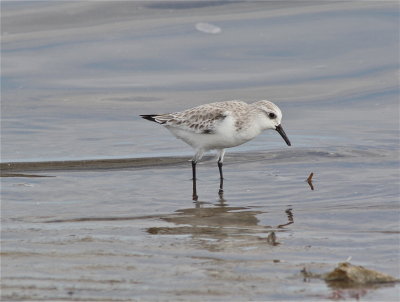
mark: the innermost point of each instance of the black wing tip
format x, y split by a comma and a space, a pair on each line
151, 117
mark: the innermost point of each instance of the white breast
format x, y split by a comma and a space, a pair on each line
225, 135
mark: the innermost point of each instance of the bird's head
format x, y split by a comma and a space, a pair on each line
271, 117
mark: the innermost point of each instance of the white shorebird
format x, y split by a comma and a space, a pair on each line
220, 125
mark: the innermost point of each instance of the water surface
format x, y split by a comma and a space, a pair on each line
113, 220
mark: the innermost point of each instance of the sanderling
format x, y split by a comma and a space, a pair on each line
220, 125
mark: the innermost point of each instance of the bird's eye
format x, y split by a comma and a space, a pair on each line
271, 115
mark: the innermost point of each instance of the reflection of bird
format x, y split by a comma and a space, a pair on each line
221, 125
239, 225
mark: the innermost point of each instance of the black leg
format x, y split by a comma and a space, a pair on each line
221, 178
195, 197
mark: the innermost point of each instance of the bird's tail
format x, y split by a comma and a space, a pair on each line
149, 117
153, 118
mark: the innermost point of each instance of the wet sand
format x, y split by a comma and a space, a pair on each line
134, 233
94, 164
283, 156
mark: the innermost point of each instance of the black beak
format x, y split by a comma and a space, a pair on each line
283, 134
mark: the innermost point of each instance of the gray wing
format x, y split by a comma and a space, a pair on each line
202, 119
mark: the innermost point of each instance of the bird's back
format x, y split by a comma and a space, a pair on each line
202, 119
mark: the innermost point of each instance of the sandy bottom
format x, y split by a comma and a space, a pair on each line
121, 234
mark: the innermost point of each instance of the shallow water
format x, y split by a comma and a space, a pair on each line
116, 221
135, 233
